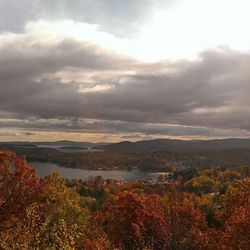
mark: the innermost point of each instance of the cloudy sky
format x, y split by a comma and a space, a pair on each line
111, 70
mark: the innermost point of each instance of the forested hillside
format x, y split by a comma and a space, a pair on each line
210, 210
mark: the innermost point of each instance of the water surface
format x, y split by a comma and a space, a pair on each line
44, 169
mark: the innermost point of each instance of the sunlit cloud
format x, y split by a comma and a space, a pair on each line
193, 26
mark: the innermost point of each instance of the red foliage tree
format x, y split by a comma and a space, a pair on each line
19, 187
187, 228
236, 233
93, 238
134, 221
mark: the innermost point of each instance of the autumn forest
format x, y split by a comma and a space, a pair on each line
210, 209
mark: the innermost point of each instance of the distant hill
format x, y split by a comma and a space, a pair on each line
176, 145
142, 146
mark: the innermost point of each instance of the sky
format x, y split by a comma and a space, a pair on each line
113, 70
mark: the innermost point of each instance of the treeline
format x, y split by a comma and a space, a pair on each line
210, 209
151, 161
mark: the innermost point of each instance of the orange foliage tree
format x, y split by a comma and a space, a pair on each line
237, 194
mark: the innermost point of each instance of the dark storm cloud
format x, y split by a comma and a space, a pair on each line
114, 16
24, 57
210, 92
24, 70
181, 98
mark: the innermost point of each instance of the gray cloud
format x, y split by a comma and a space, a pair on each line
117, 17
206, 97
210, 92
30, 58
129, 130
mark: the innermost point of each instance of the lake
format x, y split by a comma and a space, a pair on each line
67, 149
44, 169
